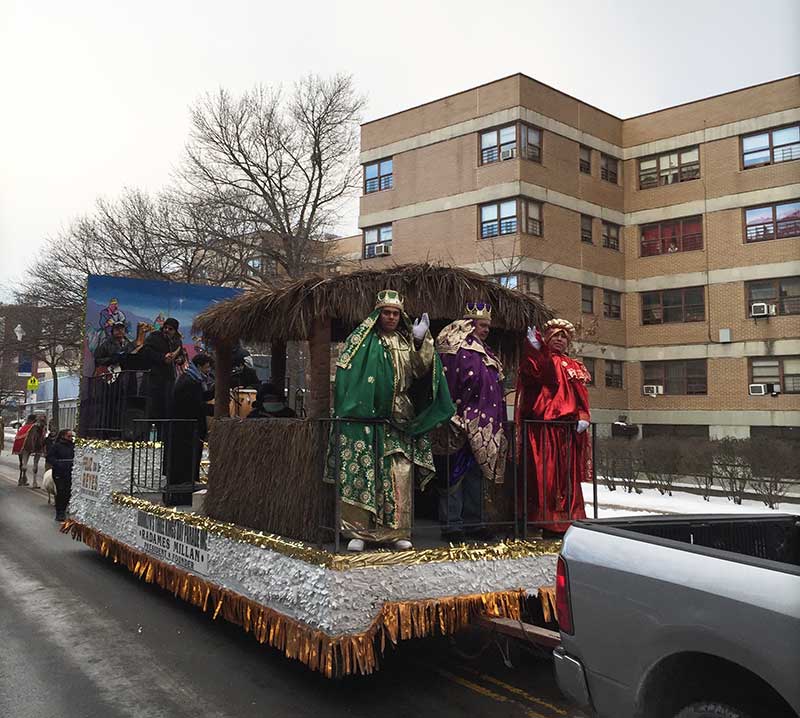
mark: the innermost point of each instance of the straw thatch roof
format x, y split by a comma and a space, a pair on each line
288, 313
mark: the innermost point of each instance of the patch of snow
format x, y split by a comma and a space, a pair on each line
620, 503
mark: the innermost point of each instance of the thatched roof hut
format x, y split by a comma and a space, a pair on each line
289, 313
319, 308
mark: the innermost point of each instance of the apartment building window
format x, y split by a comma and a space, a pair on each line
674, 306
611, 236
522, 281
613, 374
784, 293
772, 221
378, 241
588, 362
766, 148
531, 143
782, 372
587, 299
532, 212
585, 161
669, 168
586, 229
505, 217
254, 266
378, 176
499, 144
683, 377
609, 168
677, 235
612, 304
498, 218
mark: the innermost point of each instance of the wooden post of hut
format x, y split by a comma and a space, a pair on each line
278, 364
319, 380
222, 388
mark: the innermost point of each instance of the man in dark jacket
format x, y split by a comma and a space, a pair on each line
187, 434
60, 457
109, 391
161, 353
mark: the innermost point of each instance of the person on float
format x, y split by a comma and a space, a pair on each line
379, 461
551, 390
473, 447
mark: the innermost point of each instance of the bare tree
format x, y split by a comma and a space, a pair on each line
286, 163
51, 323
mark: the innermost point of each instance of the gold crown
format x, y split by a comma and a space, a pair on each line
389, 298
478, 310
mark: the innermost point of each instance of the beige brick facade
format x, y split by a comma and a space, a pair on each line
440, 184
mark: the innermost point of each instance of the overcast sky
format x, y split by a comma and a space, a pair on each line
95, 95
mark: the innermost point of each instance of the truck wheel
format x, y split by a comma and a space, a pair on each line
711, 710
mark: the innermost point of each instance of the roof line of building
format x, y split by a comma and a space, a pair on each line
711, 97
583, 102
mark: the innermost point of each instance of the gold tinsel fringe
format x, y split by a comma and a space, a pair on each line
333, 656
501, 551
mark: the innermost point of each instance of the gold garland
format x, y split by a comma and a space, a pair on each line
504, 550
117, 444
333, 656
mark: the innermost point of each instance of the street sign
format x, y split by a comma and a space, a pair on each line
33, 384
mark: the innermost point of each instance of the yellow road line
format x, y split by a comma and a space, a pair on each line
517, 691
482, 690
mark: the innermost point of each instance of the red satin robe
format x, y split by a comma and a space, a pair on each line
552, 388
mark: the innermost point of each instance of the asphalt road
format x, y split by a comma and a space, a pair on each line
80, 637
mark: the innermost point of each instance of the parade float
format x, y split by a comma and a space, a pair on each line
263, 550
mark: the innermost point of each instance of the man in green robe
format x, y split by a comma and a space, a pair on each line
388, 370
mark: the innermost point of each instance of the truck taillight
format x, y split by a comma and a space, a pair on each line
563, 603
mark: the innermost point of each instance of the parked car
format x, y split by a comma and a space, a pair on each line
678, 617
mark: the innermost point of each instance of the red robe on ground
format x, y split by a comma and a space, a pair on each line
552, 388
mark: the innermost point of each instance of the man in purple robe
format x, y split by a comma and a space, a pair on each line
473, 447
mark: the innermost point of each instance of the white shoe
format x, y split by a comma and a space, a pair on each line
355, 545
402, 545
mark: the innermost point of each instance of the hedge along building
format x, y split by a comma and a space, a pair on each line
254, 556
665, 236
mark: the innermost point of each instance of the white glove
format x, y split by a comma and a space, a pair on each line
421, 326
532, 338
582, 426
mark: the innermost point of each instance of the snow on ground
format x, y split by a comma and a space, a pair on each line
650, 501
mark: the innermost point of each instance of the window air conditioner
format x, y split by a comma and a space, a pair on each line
652, 389
758, 390
759, 309
383, 250
507, 154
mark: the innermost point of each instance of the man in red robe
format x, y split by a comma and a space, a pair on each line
552, 395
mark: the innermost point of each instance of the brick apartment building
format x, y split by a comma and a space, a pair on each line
661, 236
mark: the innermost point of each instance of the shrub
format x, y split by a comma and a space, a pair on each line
774, 469
661, 459
731, 466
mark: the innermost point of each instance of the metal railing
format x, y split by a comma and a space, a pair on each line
166, 457
113, 402
519, 473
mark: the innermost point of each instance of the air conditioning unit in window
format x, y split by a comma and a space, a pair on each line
652, 389
759, 309
383, 250
507, 155
758, 390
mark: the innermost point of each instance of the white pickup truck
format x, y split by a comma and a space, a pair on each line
681, 617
